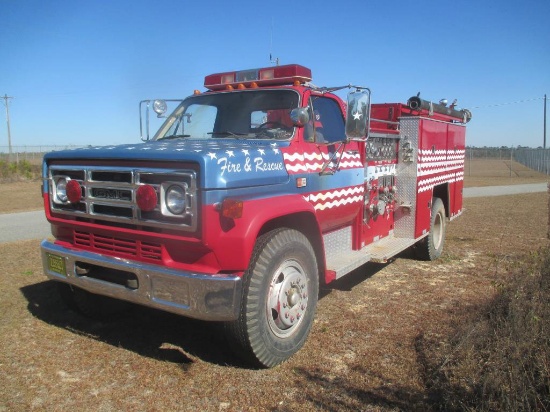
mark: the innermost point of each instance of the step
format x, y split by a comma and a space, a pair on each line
380, 252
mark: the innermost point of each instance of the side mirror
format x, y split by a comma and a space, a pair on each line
358, 114
299, 116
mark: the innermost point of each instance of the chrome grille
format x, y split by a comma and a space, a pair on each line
109, 194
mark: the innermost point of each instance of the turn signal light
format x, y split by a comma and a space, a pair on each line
232, 208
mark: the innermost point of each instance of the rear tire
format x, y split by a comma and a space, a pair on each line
281, 288
89, 304
431, 247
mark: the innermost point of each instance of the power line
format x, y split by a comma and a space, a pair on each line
509, 103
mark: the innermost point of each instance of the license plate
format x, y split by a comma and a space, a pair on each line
56, 264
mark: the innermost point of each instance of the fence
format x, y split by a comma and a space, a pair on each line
536, 159
518, 161
30, 153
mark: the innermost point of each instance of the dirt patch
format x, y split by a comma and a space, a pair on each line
361, 354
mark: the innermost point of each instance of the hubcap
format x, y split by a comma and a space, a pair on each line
287, 299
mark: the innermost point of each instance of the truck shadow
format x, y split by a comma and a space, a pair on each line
145, 331
361, 274
352, 279
157, 334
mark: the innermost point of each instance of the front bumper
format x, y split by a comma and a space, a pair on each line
194, 295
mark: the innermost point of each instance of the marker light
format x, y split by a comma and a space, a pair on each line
267, 76
175, 199
146, 198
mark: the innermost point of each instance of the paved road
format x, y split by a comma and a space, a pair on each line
22, 226
33, 225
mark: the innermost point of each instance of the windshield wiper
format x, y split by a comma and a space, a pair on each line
231, 134
273, 133
174, 136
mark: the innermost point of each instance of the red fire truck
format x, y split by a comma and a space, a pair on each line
250, 195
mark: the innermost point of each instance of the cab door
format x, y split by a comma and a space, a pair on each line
336, 186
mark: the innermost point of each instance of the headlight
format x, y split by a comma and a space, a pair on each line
61, 189
175, 199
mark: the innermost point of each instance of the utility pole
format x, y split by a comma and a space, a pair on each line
544, 146
6, 102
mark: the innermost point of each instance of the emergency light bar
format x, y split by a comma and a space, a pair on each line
267, 76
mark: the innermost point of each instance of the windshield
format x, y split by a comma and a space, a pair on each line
256, 114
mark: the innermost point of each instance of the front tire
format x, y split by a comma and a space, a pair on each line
431, 247
281, 288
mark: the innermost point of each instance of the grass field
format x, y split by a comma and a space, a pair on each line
365, 351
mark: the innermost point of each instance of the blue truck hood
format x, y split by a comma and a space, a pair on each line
223, 163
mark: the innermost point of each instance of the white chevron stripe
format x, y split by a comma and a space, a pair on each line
337, 193
351, 164
330, 205
318, 156
314, 156
304, 167
427, 184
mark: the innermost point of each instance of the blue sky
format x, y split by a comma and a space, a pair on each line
78, 69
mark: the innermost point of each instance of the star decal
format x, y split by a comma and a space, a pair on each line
357, 115
230, 153
261, 151
212, 156
245, 151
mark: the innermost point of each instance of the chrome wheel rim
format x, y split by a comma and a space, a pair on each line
287, 299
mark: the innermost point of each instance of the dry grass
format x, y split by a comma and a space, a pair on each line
20, 196
496, 172
362, 353
498, 358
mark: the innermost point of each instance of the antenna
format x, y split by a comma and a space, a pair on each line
271, 60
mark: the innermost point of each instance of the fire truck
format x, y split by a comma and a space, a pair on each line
250, 195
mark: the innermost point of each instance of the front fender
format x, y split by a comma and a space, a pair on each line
232, 240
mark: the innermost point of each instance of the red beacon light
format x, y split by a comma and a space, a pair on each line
267, 76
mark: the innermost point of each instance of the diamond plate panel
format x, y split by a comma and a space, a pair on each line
337, 243
407, 177
339, 255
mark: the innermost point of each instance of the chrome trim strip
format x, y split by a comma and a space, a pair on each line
194, 295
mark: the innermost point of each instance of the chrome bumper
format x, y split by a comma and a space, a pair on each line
195, 295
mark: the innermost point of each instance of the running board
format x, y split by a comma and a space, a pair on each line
379, 252
388, 247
